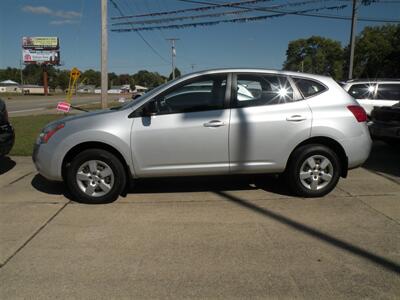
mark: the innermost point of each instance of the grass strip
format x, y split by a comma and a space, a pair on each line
27, 129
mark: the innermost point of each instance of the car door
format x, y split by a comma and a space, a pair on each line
183, 131
267, 121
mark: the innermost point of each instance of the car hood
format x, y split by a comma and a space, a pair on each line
86, 115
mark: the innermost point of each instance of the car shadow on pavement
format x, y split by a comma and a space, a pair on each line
50, 187
384, 158
6, 164
387, 264
269, 183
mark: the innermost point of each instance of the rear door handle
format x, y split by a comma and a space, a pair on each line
214, 123
296, 118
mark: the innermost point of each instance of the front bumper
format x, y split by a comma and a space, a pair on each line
43, 159
7, 139
385, 130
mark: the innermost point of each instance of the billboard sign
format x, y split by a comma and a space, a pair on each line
30, 56
40, 42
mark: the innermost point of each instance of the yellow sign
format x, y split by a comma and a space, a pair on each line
40, 42
73, 77
75, 73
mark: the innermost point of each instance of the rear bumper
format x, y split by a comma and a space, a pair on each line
382, 130
357, 149
7, 139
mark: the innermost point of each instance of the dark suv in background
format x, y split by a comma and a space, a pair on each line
7, 135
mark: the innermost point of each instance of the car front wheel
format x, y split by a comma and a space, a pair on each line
313, 171
95, 176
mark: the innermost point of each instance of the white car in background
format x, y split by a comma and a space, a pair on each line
370, 93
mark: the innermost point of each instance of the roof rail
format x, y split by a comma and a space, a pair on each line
373, 80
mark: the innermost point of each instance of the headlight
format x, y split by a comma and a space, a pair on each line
48, 132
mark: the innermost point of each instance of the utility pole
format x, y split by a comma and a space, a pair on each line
352, 38
173, 51
104, 54
20, 73
45, 80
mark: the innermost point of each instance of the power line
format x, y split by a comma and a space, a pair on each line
202, 8
327, 16
211, 23
213, 15
140, 35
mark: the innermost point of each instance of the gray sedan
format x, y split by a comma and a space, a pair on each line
226, 121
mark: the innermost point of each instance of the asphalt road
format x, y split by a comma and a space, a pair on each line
208, 237
27, 105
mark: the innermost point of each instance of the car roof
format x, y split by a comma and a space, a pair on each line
256, 70
379, 80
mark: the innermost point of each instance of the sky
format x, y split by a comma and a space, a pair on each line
261, 44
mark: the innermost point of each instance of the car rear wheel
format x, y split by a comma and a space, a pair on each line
313, 171
95, 176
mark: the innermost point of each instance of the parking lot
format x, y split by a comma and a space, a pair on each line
208, 237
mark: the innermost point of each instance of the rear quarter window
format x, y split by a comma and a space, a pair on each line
309, 87
388, 92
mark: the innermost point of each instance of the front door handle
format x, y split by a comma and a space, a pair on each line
214, 123
296, 118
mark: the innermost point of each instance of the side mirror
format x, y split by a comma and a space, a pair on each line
150, 109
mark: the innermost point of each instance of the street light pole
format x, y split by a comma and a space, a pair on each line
104, 54
173, 53
352, 38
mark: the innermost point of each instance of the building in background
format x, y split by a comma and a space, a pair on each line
9, 86
32, 89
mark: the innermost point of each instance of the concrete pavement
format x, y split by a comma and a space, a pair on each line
209, 237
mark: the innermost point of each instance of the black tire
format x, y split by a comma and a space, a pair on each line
298, 163
104, 159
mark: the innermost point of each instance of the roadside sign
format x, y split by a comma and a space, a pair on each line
75, 73
63, 106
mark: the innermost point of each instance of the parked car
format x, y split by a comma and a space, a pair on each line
386, 124
370, 93
7, 135
137, 95
225, 121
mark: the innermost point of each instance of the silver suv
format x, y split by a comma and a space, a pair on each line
225, 121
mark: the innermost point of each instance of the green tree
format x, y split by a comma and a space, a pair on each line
377, 52
62, 79
91, 77
177, 74
10, 74
33, 74
126, 79
316, 55
148, 79
113, 80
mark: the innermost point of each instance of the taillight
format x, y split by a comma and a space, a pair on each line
45, 136
358, 112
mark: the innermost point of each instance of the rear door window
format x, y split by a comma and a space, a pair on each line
262, 89
362, 91
388, 92
309, 87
